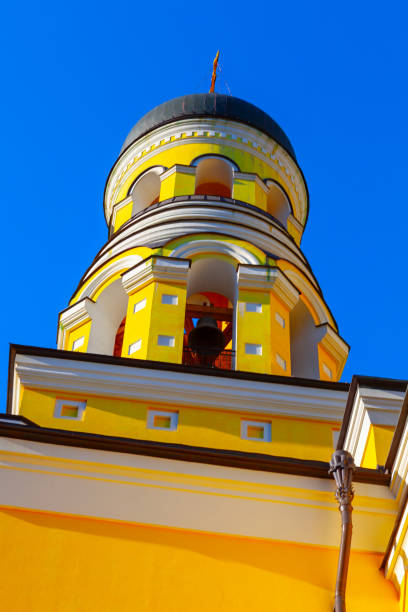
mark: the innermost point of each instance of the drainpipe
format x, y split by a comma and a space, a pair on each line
342, 468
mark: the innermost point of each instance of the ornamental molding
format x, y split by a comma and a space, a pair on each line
186, 389
167, 226
209, 131
240, 219
270, 279
156, 268
215, 499
179, 168
199, 246
73, 317
298, 226
311, 295
399, 474
117, 208
370, 407
334, 344
89, 289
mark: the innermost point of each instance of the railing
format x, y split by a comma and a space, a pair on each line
208, 358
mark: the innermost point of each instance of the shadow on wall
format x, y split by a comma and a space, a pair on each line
221, 571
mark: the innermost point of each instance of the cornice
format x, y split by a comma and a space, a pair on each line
179, 168
97, 376
334, 345
209, 131
268, 278
298, 226
118, 207
156, 268
239, 494
370, 407
72, 317
173, 222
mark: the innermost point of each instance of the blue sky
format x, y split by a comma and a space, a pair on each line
77, 76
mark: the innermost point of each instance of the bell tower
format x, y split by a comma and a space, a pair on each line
206, 206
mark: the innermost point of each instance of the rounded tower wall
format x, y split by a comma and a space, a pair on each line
206, 216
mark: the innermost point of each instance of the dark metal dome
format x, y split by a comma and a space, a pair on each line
209, 105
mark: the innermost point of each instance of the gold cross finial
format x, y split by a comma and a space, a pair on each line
214, 72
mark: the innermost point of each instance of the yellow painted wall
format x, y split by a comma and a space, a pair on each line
378, 446
253, 328
156, 319
64, 564
331, 365
198, 426
280, 336
184, 153
178, 183
294, 232
81, 331
122, 214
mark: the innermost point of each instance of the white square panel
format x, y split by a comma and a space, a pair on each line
253, 349
135, 346
139, 305
166, 340
253, 307
171, 300
258, 431
78, 343
162, 419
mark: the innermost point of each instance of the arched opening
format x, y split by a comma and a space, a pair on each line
146, 190
117, 348
214, 176
278, 204
110, 309
303, 342
209, 319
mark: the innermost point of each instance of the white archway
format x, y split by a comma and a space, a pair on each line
197, 247
278, 204
214, 176
107, 314
146, 190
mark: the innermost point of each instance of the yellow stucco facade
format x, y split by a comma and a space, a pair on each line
173, 452
77, 562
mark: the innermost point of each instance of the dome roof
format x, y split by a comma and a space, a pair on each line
209, 105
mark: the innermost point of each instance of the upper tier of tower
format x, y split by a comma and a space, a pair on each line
160, 160
206, 207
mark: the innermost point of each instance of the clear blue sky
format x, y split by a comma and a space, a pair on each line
76, 76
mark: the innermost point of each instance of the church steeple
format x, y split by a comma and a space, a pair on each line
206, 207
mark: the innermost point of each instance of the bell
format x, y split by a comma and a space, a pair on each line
207, 340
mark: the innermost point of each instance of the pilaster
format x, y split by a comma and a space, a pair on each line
265, 298
154, 328
74, 326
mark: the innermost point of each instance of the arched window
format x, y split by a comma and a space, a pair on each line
214, 176
278, 204
146, 190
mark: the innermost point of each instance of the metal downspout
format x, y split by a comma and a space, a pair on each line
342, 468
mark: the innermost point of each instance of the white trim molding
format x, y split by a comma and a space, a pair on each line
79, 313
214, 499
371, 407
178, 388
209, 131
334, 345
268, 278
156, 268
60, 404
